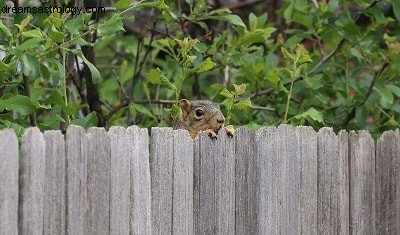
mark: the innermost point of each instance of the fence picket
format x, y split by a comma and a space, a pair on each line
31, 180
362, 183
120, 153
246, 198
387, 183
308, 218
141, 198
161, 163
76, 162
332, 156
214, 186
8, 182
182, 201
54, 196
98, 182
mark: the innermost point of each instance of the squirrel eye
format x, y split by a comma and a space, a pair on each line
199, 112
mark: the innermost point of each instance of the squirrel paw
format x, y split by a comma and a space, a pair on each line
229, 130
211, 133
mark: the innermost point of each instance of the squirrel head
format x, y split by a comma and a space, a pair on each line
200, 115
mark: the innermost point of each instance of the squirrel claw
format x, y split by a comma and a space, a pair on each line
212, 134
229, 130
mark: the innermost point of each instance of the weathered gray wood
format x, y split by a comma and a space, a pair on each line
333, 182
98, 182
141, 197
8, 182
120, 180
308, 217
215, 182
362, 183
54, 186
246, 182
76, 162
342, 188
182, 198
269, 173
289, 154
388, 183
31, 181
161, 168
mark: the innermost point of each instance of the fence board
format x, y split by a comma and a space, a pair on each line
98, 182
246, 182
8, 182
161, 164
332, 182
289, 154
182, 201
268, 181
141, 198
307, 139
214, 184
31, 181
54, 187
120, 180
362, 183
76, 161
387, 183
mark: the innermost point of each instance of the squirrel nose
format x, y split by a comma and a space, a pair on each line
221, 120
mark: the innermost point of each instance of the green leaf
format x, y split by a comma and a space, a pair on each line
239, 89
157, 77
252, 21
30, 65
166, 83
28, 44
244, 104
154, 76
386, 96
5, 30
24, 22
111, 26
143, 110
255, 36
73, 26
35, 33
9, 66
122, 4
89, 121
304, 59
230, 18
205, 66
55, 35
312, 114
286, 54
394, 89
226, 93
18, 103
93, 70
396, 9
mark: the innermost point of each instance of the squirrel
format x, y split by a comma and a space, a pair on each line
202, 115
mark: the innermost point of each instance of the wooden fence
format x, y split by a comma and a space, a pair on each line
281, 180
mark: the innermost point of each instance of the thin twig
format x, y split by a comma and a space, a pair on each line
352, 112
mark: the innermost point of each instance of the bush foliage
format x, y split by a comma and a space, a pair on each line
320, 63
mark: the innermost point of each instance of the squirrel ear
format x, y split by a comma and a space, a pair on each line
185, 107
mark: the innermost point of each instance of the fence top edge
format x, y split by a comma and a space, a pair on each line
241, 129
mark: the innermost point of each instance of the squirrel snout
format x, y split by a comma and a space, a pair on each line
221, 120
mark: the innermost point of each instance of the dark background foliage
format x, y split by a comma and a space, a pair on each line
320, 63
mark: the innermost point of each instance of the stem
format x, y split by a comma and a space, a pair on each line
289, 97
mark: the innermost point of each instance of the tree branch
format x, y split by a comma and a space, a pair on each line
352, 112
